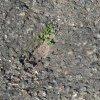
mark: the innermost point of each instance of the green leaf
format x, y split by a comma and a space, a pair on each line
51, 42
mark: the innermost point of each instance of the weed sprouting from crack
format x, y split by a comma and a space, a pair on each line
48, 32
47, 38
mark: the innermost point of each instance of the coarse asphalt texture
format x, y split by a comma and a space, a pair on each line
67, 70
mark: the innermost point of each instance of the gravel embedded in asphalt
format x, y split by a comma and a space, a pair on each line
67, 70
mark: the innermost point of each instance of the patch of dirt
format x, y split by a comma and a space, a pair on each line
42, 51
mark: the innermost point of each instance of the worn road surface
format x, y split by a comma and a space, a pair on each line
67, 70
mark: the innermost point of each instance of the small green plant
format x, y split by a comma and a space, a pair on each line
51, 42
47, 32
